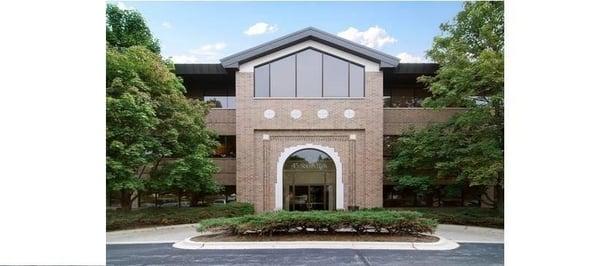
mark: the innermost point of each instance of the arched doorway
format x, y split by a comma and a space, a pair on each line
325, 171
309, 181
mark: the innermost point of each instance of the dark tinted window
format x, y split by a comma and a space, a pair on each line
357, 81
335, 77
283, 77
309, 73
261, 81
226, 148
388, 145
227, 102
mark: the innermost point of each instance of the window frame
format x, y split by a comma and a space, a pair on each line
229, 95
295, 54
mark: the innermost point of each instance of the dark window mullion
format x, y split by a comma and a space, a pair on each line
322, 77
364, 89
296, 74
348, 79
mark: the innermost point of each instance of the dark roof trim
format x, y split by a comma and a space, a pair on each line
310, 33
198, 69
218, 69
416, 68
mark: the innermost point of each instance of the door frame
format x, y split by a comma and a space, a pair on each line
287, 152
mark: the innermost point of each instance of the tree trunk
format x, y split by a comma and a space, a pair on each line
179, 198
462, 196
499, 203
125, 200
195, 197
429, 199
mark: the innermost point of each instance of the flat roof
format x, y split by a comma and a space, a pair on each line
200, 69
218, 69
416, 68
387, 62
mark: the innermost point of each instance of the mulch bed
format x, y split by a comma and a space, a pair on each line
338, 236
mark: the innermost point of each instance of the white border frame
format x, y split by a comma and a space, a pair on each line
370, 66
339, 184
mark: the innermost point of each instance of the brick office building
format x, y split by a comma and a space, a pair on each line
305, 121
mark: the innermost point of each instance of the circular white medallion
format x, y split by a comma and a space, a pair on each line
296, 114
349, 113
269, 114
322, 113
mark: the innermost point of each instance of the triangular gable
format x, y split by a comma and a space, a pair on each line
384, 60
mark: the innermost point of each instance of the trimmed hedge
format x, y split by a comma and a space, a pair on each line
392, 222
117, 219
462, 216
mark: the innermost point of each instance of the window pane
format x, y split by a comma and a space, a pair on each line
216, 101
357, 81
420, 95
231, 102
283, 77
226, 149
388, 144
261, 81
335, 77
309, 74
402, 97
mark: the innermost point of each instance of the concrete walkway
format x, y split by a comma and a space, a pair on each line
176, 233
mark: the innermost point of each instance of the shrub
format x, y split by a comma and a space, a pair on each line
462, 216
392, 222
117, 219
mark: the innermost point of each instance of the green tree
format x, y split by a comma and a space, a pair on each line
149, 120
126, 28
130, 119
470, 146
193, 174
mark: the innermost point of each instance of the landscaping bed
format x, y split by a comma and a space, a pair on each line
339, 236
148, 217
323, 223
473, 216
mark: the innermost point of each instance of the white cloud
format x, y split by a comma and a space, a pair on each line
167, 25
209, 49
123, 6
185, 59
260, 28
408, 58
373, 37
208, 53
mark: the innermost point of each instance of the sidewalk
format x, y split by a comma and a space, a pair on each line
176, 233
163, 234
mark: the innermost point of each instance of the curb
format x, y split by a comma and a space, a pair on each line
156, 228
142, 242
441, 244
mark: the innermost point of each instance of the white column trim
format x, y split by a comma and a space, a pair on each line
339, 184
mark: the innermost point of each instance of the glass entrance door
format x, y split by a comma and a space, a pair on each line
307, 198
309, 178
316, 198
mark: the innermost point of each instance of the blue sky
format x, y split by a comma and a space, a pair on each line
204, 32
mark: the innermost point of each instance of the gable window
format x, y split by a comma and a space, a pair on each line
309, 73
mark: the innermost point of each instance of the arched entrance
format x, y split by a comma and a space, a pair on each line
308, 181
309, 177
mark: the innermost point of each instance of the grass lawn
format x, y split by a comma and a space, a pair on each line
462, 216
118, 220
